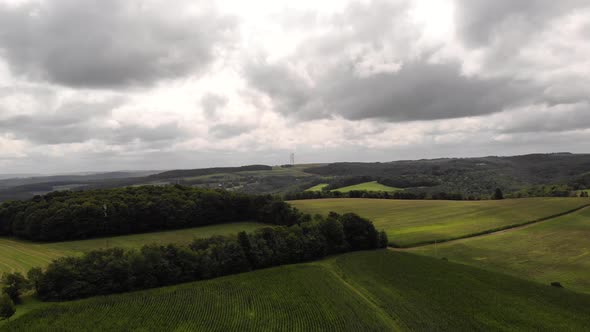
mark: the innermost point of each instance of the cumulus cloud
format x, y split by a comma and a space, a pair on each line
110, 43
223, 131
481, 21
417, 91
143, 84
211, 103
78, 121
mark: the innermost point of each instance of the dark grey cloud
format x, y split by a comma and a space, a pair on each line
352, 72
417, 91
81, 121
108, 43
224, 131
542, 119
479, 21
161, 133
72, 122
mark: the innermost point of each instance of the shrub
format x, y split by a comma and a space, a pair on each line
7, 308
14, 284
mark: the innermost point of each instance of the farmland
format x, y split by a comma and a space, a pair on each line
368, 186
554, 250
378, 291
317, 187
20, 255
411, 222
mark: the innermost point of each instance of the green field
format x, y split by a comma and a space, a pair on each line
317, 187
20, 255
410, 222
364, 291
368, 186
554, 250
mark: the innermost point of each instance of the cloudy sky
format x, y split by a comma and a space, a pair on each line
93, 85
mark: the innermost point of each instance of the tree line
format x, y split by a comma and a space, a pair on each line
115, 270
73, 215
377, 195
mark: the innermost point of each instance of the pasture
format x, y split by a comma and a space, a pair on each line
553, 250
368, 186
317, 187
412, 222
363, 291
18, 255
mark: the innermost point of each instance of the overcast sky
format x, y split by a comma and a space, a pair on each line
98, 85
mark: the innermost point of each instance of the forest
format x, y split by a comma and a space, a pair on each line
73, 215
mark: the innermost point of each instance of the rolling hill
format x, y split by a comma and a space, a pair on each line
553, 250
471, 176
412, 222
364, 291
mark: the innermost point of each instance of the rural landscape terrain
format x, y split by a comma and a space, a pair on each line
449, 262
279, 165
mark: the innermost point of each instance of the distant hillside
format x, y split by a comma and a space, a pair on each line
557, 174
470, 175
183, 173
26, 187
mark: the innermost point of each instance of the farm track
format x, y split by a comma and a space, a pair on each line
493, 232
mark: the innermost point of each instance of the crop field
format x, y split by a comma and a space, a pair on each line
364, 291
317, 187
553, 250
411, 222
368, 186
20, 256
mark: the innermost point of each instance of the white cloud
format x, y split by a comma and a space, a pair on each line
332, 80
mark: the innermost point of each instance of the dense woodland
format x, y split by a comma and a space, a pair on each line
72, 215
116, 270
471, 177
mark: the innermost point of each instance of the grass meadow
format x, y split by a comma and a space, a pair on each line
18, 255
317, 187
554, 250
412, 222
364, 291
368, 186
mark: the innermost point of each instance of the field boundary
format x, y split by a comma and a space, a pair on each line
489, 231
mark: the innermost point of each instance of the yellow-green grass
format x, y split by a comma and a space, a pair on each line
17, 255
363, 291
317, 187
368, 186
412, 222
553, 250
